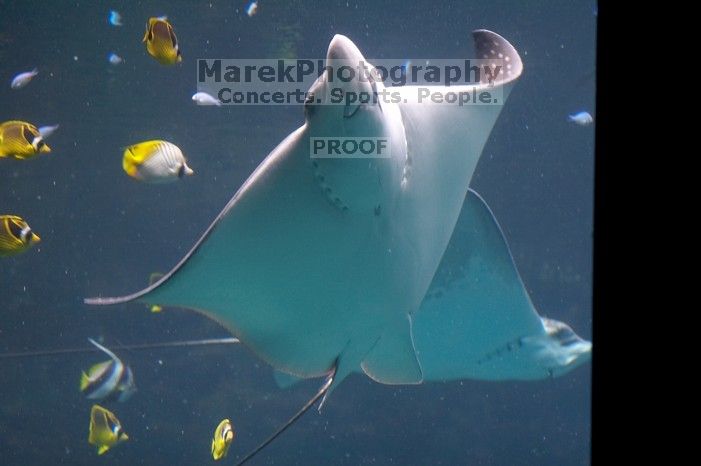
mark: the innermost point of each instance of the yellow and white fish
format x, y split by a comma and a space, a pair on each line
223, 436
155, 161
161, 42
15, 235
21, 140
105, 429
109, 379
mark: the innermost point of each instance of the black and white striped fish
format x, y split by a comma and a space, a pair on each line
108, 380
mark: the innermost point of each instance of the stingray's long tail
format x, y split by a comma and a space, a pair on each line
322, 391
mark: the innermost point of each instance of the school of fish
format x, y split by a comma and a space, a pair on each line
153, 161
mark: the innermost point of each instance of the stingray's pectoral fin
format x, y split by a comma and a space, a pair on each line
550, 352
502, 58
141, 294
108, 301
558, 350
393, 359
285, 380
477, 320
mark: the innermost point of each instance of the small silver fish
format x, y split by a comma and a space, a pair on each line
23, 79
114, 59
202, 98
581, 118
115, 19
47, 131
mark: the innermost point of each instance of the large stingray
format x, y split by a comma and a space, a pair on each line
389, 266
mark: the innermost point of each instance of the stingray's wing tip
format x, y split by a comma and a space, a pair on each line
491, 46
99, 301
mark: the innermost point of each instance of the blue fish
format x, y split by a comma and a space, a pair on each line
405, 66
114, 59
47, 131
581, 118
252, 8
115, 19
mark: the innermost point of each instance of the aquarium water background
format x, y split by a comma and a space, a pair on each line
105, 233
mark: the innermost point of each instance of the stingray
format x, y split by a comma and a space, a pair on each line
387, 266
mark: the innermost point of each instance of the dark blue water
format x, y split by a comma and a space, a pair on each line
103, 232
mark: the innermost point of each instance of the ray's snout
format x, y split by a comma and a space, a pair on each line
342, 48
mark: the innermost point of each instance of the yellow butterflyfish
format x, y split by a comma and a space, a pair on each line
21, 140
161, 42
15, 235
105, 429
223, 436
155, 161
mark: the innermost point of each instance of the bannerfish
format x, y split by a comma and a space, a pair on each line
161, 42
223, 436
252, 8
21, 140
23, 79
47, 131
105, 429
581, 118
202, 98
155, 161
114, 59
114, 18
109, 379
15, 235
